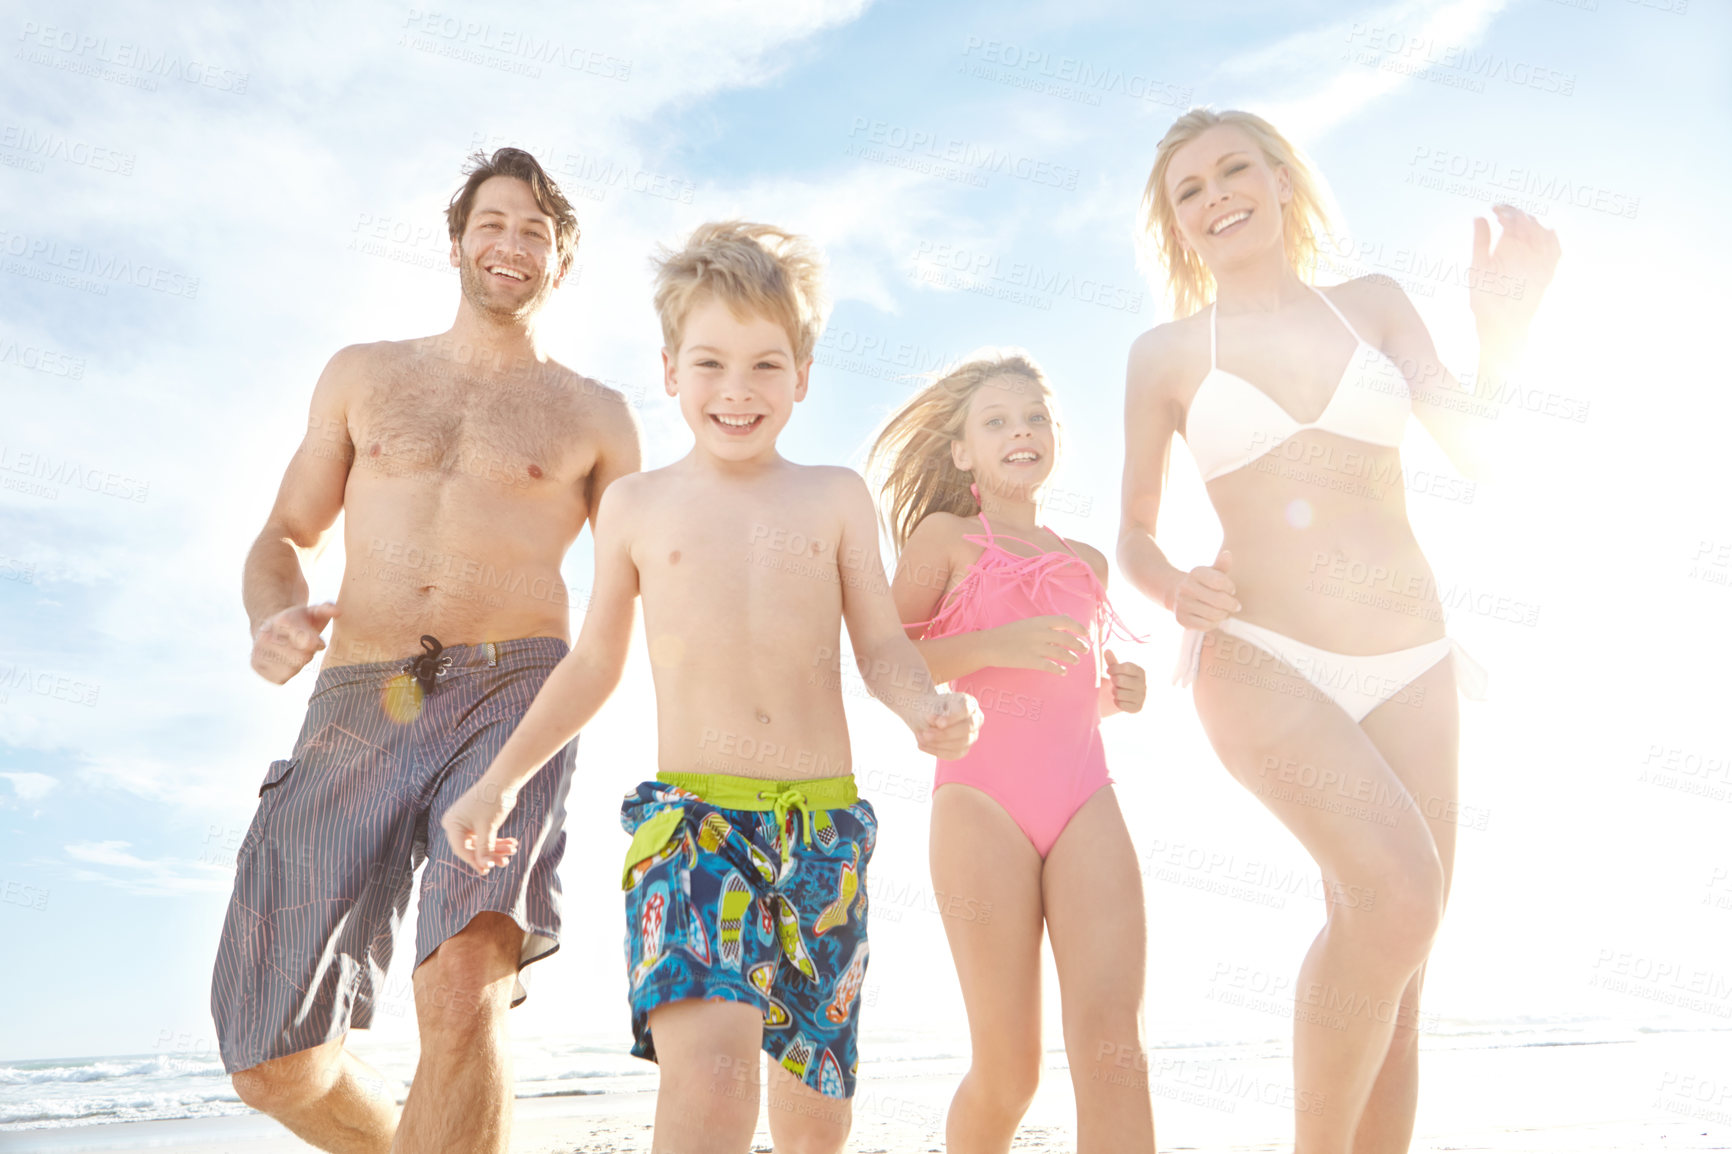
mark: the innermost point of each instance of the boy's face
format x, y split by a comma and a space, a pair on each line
736, 380
1007, 438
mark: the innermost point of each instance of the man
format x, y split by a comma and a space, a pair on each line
466, 465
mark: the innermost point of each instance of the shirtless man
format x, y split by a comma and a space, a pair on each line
467, 464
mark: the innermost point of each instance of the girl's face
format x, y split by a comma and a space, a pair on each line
1226, 197
1007, 439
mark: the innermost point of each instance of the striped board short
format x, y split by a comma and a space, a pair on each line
323, 877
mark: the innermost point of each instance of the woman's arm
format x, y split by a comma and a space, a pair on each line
1203, 597
1505, 285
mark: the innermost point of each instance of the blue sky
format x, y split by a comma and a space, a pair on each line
200, 207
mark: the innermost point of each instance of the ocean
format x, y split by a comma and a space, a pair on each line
190, 1083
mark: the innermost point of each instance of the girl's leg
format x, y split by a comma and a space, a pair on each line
986, 877
1093, 895
1322, 776
1420, 743
708, 1097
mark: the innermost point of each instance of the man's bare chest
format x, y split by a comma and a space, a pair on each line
506, 430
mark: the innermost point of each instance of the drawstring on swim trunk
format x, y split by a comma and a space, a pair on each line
430, 666
781, 803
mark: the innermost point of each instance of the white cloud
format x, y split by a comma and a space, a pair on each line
1295, 61
30, 786
164, 877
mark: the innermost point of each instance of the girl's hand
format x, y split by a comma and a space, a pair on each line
1205, 597
1130, 684
950, 728
1051, 644
1505, 283
472, 822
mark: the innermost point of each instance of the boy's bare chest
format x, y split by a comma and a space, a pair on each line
785, 556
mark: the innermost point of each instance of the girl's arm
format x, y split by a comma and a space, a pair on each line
922, 576
572, 694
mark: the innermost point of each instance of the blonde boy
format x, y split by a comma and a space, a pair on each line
746, 878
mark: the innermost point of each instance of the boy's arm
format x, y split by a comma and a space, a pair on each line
890, 665
572, 694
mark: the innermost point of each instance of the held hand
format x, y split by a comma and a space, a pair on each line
1505, 283
472, 824
1050, 644
287, 640
951, 727
1205, 597
1130, 684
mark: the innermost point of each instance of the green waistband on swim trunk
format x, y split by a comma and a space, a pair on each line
726, 791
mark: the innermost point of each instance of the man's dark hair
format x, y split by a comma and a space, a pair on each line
515, 162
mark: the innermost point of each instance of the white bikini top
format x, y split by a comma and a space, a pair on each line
1233, 423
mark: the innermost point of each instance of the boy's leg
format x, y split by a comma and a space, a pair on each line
707, 1102
325, 1096
462, 1093
803, 1121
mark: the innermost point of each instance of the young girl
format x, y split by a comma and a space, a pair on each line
1026, 824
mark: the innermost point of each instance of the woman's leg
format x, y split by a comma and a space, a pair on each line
1420, 742
986, 877
1322, 776
1092, 890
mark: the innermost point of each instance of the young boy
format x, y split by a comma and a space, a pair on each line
746, 877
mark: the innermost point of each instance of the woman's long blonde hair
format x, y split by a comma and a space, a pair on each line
1303, 219
912, 450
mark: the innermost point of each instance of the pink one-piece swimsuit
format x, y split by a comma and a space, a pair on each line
1039, 752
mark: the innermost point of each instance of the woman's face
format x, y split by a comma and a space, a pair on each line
1007, 438
1226, 196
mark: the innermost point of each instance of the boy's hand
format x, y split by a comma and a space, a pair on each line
951, 727
1130, 684
472, 824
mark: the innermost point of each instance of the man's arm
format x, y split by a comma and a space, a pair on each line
619, 448
273, 588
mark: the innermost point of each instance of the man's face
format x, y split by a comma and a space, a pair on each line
506, 259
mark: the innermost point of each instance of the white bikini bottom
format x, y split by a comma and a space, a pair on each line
1358, 684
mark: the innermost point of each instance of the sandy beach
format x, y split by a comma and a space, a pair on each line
1646, 1091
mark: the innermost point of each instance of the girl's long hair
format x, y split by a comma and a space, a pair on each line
912, 451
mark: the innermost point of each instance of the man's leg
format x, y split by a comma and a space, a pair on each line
462, 1093
325, 1096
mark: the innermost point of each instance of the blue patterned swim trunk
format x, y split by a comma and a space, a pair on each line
763, 905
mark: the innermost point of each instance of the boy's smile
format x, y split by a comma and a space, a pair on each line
736, 380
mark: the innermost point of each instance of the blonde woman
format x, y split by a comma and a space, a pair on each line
1334, 704
1026, 832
